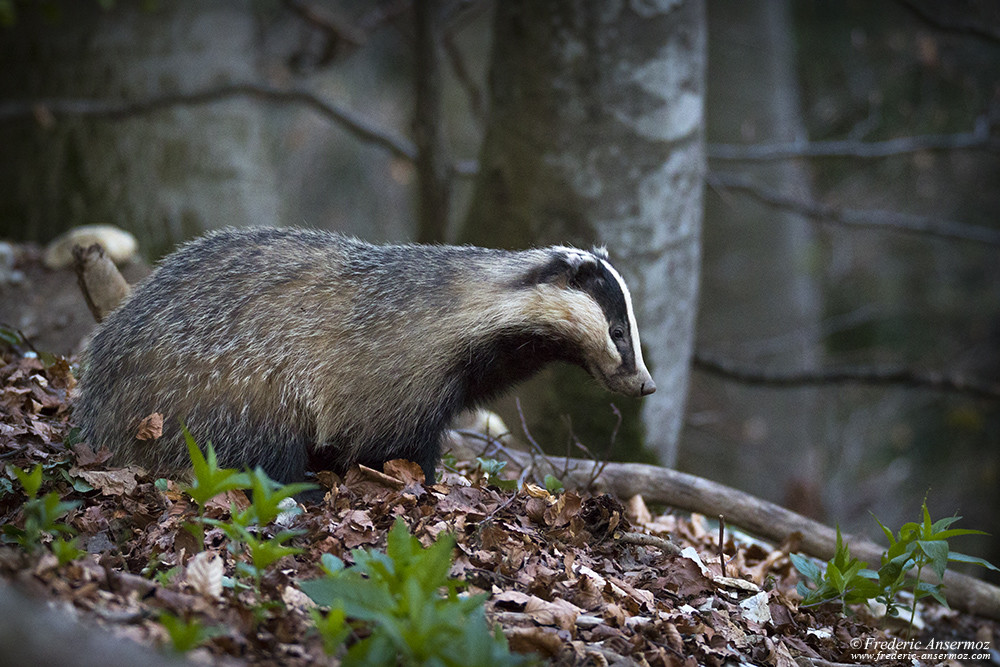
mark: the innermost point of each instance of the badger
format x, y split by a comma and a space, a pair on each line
298, 349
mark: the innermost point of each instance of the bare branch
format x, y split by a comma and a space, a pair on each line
349, 120
334, 27
866, 150
872, 219
984, 30
472, 91
863, 375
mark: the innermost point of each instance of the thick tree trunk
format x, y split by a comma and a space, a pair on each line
759, 303
164, 175
595, 135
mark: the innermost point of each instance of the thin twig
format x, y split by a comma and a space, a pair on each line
321, 18
864, 375
979, 138
611, 443
650, 541
91, 108
964, 27
872, 219
536, 448
722, 543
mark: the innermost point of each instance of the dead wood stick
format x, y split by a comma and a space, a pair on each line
100, 281
754, 515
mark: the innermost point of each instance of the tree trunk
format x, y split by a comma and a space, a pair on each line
432, 164
164, 175
595, 135
758, 304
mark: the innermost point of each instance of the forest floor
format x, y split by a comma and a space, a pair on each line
562, 581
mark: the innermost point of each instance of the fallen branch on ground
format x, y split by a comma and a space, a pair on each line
760, 517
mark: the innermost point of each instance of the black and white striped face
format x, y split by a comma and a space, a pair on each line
599, 307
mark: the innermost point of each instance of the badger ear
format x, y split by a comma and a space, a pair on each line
565, 267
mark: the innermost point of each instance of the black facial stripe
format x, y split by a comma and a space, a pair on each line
602, 285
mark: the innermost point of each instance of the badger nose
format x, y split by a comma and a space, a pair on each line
648, 388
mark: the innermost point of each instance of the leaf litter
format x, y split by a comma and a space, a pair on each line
565, 582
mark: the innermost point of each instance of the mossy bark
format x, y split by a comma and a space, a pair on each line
595, 136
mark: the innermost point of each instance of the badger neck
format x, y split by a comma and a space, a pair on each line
508, 344
496, 364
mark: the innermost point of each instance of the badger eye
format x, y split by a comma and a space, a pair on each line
617, 333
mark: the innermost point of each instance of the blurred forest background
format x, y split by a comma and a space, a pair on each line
803, 195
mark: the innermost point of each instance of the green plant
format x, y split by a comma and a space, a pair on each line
209, 481
186, 635
332, 626
41, 517
243, 528
915, 547
918, 545
396, 597
492, 468
844, 578
553, 484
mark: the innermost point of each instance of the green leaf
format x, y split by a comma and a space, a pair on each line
66, 551
937, 553
186, 635
963, 558
31, 482
268, 494
491, 467
955, 532
941, 524
888, 533
553, 484
210, 480
332, 627
834, 576
361, 598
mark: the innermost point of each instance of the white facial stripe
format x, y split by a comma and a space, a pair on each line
639, 363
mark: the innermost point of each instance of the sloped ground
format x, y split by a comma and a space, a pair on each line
568, 577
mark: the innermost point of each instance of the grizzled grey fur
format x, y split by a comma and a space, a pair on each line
298, 349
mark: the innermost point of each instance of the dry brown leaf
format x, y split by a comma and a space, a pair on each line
534, 640
151, 427
115, 482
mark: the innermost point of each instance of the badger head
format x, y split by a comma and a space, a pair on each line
586, 303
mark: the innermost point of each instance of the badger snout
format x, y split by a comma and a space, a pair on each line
642, 384
632, 384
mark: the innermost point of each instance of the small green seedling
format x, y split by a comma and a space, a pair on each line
186, 635
492, 468
397, 597
845, 579
41, 517
209, 481
333, 628
553, 484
